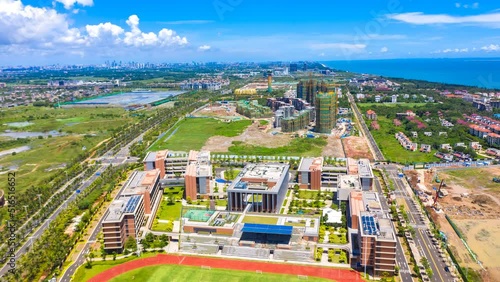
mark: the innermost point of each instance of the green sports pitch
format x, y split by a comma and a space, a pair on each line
177, 273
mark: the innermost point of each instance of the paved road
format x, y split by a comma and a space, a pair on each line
81, 256
45, 225
422, 240
404, 268
121, 155
373, 145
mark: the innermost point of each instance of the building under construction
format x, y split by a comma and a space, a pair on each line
309, 90
252, 109
326, 112
296, 122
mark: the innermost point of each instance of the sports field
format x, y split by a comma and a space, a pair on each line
192, 133
176, 273
157, 269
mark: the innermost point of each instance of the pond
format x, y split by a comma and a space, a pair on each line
19, 124
28, 134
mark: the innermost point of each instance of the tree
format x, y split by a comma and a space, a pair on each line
188, 200
396, 270
131, 244
114, 255
103, 253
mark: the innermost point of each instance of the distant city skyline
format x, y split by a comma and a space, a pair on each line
43, 32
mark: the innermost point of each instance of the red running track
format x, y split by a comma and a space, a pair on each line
340, 275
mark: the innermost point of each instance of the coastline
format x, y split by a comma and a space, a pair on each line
481, 73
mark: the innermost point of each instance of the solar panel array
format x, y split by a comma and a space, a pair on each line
132, 204
369, 225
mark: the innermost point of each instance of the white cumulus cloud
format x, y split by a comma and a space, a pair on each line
348, 46
20, 24
24, 28
204, 48
165, 37
489, 20
384, 49
491, 47
68, 4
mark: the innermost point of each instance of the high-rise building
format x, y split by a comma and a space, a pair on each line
326, 112
293, 67
300, 90
269, 81
376, 240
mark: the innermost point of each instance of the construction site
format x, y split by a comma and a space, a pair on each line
464, 203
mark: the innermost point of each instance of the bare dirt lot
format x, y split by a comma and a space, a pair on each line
483, 237
334, 147
219, 110
252, 135
356, 148
473, 204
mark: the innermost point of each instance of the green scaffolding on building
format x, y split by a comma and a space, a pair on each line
326, 112
296, 122
252, 109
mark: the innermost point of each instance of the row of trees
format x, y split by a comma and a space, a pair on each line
49, 252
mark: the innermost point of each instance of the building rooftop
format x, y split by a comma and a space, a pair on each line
122, 206
150, 157
349, 182
364, 168
262, 176
310, 164
140, 182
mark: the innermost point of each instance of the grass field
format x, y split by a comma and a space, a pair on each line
84, 274
84, 127
192, 133
391, 148
402, 104
191, 273
169, 212
307, 194
474, 178
296, 147
260, 219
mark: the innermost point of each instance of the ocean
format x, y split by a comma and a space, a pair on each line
481, 72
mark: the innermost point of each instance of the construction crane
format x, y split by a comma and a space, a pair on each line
437, 193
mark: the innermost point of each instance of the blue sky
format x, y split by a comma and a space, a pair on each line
92, 31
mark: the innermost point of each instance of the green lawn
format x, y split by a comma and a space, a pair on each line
192, 133
221, 203
472, 178
307, 194
192, 273
169, 212
296, 147
401, 104
231, 174
84, 274
391, 148
260, 219
337, 238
